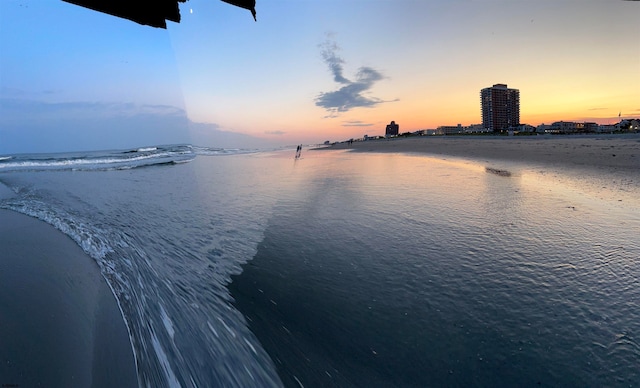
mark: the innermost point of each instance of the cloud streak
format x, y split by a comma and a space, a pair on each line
352, 94
331, 58
356, 123
276, 132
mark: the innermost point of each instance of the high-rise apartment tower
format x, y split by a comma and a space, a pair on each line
392, 129
500, 107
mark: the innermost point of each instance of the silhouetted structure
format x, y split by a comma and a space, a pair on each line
500, 107
392, 129
246, 4
150, 13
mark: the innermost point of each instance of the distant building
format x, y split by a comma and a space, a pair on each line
450, 130
392, 129
500, 107
591, 127
629, 125
608, 128
566, 127
476, 128
524, 128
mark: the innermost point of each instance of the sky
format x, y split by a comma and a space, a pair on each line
306, 71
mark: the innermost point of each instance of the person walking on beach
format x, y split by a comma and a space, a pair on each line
298, 151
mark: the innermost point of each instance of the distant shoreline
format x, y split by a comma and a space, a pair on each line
616, 152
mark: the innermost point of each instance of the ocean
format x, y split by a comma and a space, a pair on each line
252, 268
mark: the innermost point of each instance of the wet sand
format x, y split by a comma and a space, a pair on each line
60, 325
612, 152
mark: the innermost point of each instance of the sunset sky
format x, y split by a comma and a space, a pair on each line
306, 71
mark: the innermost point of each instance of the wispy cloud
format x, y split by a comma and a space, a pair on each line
356, 123
330, 56
597, 108
351, 94
277, 132
9, 92
29, 110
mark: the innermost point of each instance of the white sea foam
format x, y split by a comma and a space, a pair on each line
88, 239
298, 381
251, 346
164, 362
109, 160
168, 324
215, 332
205, 151
99, 160
233, 333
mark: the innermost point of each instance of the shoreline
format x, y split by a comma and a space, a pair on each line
61, 324
612, 152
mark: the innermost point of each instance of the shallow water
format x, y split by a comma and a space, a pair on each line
396, 270
359, 269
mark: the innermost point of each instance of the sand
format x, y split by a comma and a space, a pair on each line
613, 152
60, 325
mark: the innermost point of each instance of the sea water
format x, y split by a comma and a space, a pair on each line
238, 268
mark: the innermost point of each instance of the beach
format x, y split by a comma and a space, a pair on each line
60, 324
615, 152
403, 268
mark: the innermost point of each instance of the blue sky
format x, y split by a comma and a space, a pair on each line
307, 71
